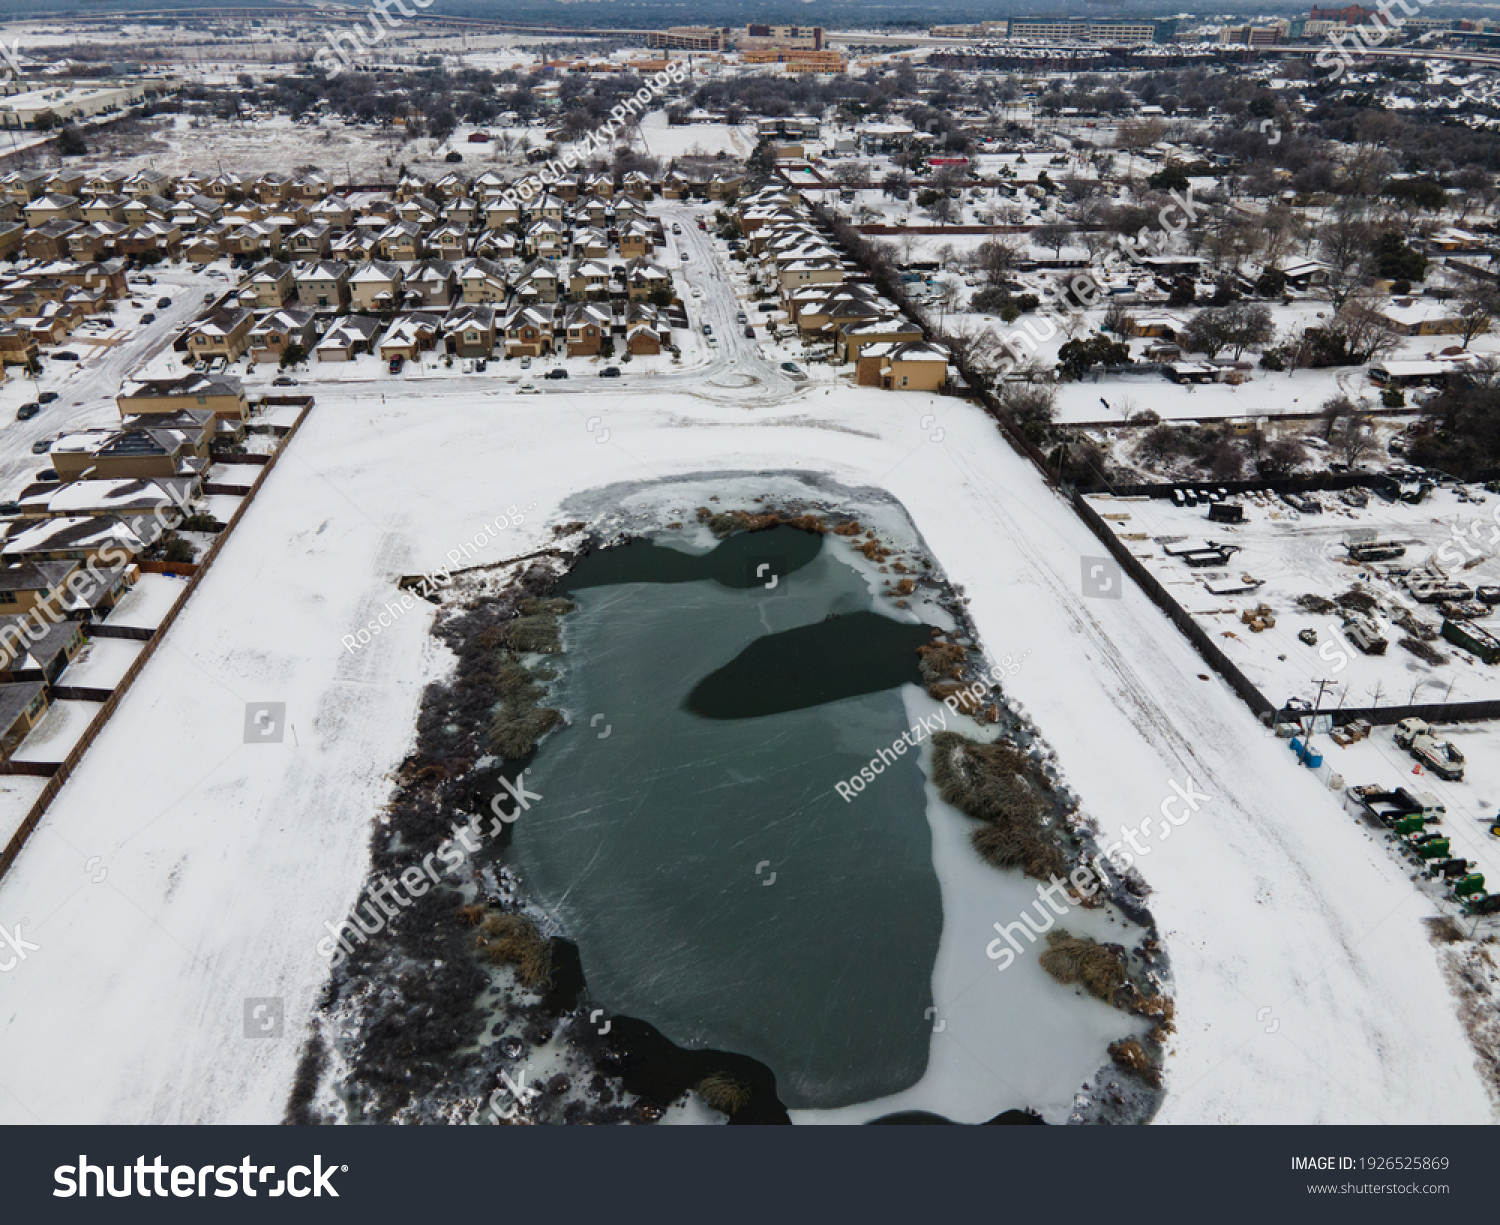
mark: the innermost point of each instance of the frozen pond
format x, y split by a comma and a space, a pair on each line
715, 883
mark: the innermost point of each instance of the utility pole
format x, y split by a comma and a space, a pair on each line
1317, 705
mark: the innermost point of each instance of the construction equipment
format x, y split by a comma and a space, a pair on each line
1409, 729
1439, 756
1469, 886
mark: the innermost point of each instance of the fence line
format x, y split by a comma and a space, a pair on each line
65, 769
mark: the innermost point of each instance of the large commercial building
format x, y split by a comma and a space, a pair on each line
782, 38
690, 38
63, 103
1111, 31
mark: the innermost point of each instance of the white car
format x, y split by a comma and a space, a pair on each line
697, 293
529, 389
467, 367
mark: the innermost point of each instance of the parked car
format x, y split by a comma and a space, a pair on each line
47, 474
708, 329
676, 229
526, 363
713, 342
482, 364
67, 355
283, 381
466, 366
209, 296
163, 303
529, 389
749, 332
610, 372
559, 373
741, 317
148, 317
41, 446
697, 293
28, 411
47, 397
10, 508
397, 363
684, 257
792, 369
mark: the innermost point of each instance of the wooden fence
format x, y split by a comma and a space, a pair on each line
153, 640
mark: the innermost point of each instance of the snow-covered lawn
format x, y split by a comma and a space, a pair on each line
150, 600
60, 729
101, 664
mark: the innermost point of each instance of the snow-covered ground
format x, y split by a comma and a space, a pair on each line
1295, 554
1299, 955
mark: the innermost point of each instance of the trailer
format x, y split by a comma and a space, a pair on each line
1209, 557
1364, 633
1376, 551
1388, 807
1473, 638
1427, 588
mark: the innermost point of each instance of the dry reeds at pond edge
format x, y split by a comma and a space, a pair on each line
988, 782
1100, 968
513, 939
722, 1092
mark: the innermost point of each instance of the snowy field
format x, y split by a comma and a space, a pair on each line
1269, 899
1295, 554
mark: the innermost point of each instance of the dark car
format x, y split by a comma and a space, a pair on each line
283, 381
67, 355
148, 317
163, 303
610, 372
28, 411
559, 373
396, 363
41, 446
482, 365
749, 332
47, 397
47, 474
10, 508
708, 329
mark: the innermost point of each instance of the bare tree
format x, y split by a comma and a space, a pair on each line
1477, 307
1345, 243
1054, 235
1353, 439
